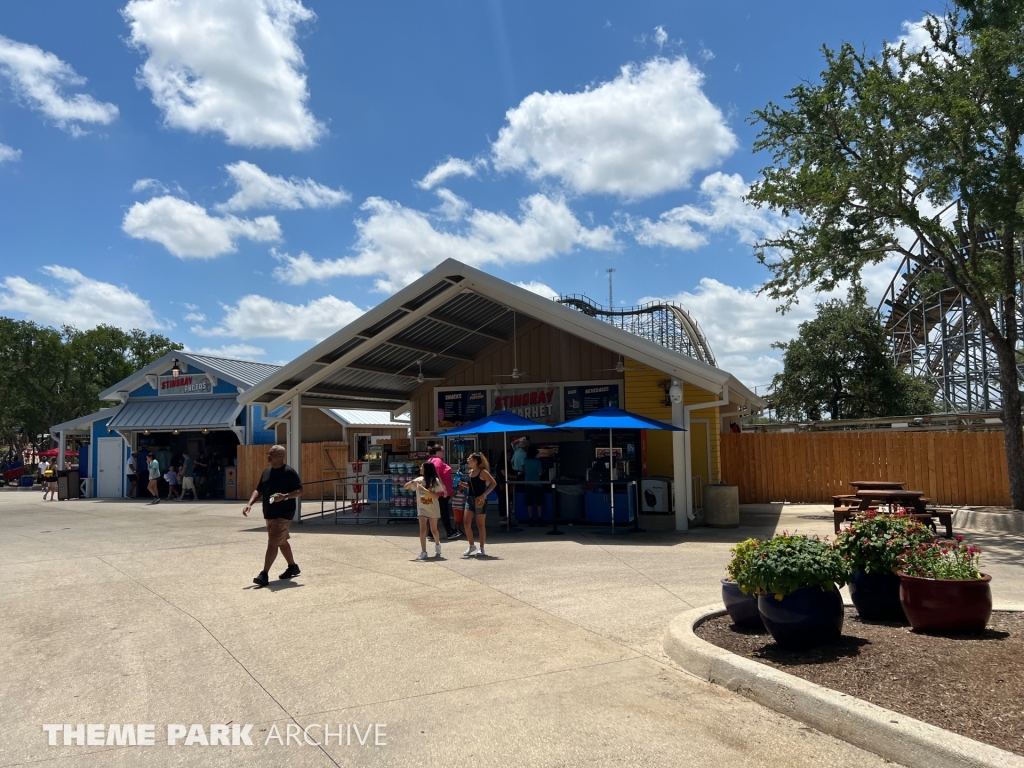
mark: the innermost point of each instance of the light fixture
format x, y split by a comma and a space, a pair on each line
419, 376
146, 432
206, 431
175, 431
675, 394
175, 368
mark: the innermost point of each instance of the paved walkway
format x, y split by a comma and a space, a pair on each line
548, 654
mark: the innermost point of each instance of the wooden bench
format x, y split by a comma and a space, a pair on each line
841, 514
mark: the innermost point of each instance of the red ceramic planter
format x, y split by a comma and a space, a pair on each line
946, 606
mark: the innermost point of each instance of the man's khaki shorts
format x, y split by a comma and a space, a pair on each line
188, 484
277, 530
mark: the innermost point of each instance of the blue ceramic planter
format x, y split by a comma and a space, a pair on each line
876, 596
809, 616
742, 608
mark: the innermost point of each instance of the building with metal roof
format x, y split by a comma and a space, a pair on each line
458, 334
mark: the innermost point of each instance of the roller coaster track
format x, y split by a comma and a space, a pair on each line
663, 322
937, 335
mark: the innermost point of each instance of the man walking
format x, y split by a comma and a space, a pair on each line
154, 479
131, 474
188, 476
444, 472
279, 487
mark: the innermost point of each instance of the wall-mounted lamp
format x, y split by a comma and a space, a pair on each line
145, 432
675, 394
175, 368
206, 431
175, 431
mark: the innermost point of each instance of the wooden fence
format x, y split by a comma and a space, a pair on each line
952, 468
320, 461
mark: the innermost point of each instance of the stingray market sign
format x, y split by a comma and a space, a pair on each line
536, 403
184, 385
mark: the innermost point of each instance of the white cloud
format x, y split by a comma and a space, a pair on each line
149, 185
541, 289
257, 317
452, 207
645, 132
660, 36
258, 189
229, 66
71, 298
726, 209
401, 243
741, 326
187, 230
231, 351
453, 166
39, 77
9, 154
915, 36
195, 317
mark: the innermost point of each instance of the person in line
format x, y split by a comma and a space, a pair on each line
429, 492
444, 473
188, 476
279, 487
154, 479
533, 468
501, 478
131, 474
519, 457
202, 473
480, 483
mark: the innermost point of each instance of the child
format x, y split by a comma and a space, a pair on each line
172, 483
428, 488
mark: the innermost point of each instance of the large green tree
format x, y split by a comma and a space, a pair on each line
49, 376
879, 144
839, 364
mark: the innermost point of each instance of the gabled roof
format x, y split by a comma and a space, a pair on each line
240, 373
440, 321
350, 416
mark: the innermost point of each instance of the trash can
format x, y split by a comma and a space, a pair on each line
570, 502
231, 482
722, 506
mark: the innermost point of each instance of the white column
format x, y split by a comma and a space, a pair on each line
60, 450
681, 465
295, 444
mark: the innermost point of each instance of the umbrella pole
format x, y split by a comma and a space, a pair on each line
611, 475
508, 509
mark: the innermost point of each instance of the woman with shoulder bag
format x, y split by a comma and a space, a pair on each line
429, 488
480, 483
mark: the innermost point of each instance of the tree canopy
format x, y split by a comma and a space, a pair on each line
840, 364
49, 376
910, 144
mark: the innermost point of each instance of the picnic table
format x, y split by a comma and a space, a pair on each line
915, 500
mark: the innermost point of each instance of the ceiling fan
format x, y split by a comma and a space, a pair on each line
620, 367
419, 376
516, 373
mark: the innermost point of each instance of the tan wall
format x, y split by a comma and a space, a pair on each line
320, 461
646, 396
952, 468
546, 353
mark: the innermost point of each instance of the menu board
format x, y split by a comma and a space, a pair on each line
455, 408
583, 399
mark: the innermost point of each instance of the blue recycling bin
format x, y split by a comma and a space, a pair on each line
597, 508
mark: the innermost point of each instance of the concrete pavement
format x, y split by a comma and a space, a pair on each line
549, 653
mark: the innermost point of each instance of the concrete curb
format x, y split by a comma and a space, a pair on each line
888, 734
988, 522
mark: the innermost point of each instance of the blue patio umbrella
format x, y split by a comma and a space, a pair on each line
612, 418
501, 422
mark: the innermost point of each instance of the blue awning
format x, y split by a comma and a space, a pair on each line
166, 413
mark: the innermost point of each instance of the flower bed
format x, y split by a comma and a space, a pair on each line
972, 685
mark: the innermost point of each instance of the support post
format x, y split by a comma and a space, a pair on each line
60, 450
295, 446
682, 493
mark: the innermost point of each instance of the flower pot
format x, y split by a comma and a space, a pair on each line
809, 616
742, 608
876, 596
946, 606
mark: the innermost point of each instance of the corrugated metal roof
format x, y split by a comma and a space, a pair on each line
373, 418
85, 421
177, 413
248, 372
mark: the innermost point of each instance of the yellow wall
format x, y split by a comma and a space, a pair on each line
645, 395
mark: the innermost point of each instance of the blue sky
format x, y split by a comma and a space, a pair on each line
249, 175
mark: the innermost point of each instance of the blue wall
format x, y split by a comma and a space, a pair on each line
261, 435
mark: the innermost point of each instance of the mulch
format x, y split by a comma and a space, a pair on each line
970, 684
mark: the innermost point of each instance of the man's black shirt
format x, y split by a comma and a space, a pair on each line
283, 480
